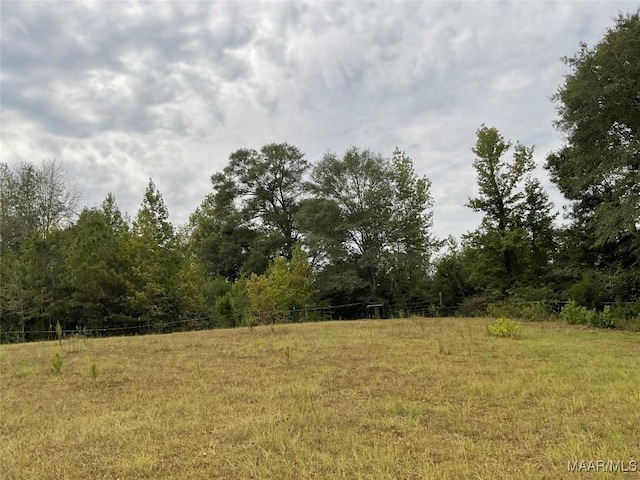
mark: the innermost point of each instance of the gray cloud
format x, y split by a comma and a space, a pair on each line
124, 91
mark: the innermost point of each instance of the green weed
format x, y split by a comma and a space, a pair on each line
59, 333
56, 364
503, 327
287, 354
94, 372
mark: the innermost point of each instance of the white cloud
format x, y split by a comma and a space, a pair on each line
123, 92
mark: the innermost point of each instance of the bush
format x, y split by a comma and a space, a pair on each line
574, 314
503, 327
604, 319
286, 286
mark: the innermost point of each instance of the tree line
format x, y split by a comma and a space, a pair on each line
278, 237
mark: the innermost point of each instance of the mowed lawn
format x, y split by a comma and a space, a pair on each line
387, 399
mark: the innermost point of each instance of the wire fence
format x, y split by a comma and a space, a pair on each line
347, 311
51, 333
132, 326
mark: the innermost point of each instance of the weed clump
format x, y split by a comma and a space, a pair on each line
56, 365
503, 327
94, 372
287, 354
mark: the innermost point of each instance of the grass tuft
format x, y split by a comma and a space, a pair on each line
93, 371
56, 364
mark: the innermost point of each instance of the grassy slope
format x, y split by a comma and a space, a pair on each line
416, 398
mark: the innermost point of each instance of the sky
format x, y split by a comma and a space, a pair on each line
121, 92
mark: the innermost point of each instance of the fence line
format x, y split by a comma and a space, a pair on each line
331, 312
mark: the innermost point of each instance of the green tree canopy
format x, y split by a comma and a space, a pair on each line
227, 246
266, 188
598, 168
515, 238
368, 222
97, 270
34, 199
498, 179
285, 286
156, 260
251, 215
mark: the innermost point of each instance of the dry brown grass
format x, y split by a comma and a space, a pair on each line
391, 399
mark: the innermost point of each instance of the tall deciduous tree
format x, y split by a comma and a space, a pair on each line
598, 168
266, 188
498, 179
35, 199
224, 243
251, 215
36, 203
517, 214
536, 219
411, 221
13, 297
369, 222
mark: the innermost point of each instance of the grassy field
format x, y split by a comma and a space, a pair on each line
387, 399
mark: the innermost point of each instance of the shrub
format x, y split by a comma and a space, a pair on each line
444, 349
503, 327
232, 308
536, 312
287, 354
604, 319
286, 287
577, 315
574, 314
434, 310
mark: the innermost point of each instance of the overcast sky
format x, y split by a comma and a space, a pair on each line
123, 91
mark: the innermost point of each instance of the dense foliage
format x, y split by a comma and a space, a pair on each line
283, 239
598, 168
